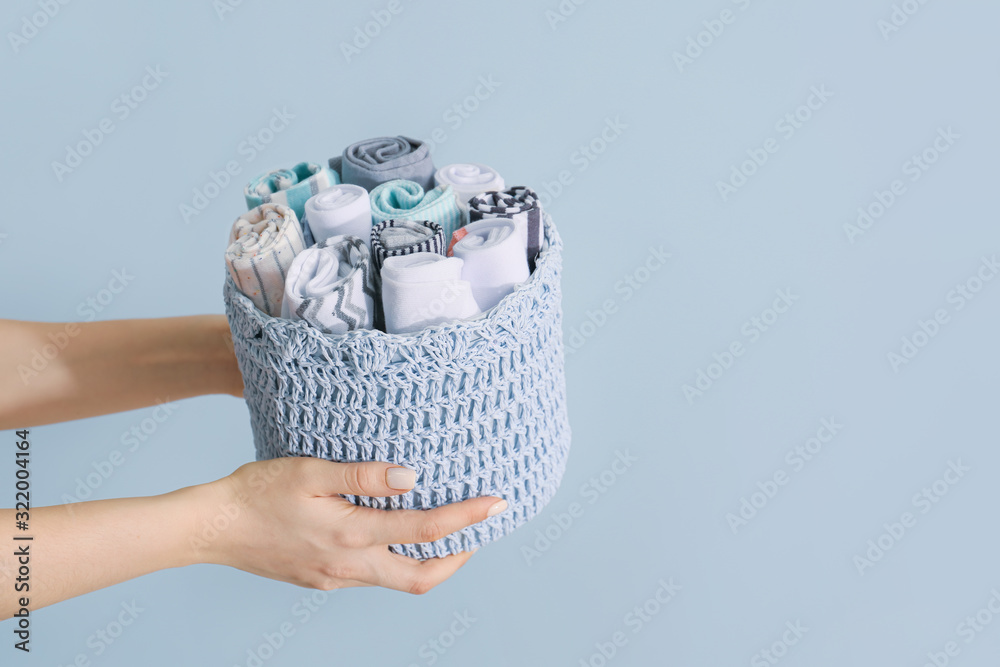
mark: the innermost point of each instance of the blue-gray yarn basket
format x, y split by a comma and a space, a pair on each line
476, 407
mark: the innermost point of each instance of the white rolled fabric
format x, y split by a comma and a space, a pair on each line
263, 242
330, 286
339, 210
494, 261
468, 180
424, 289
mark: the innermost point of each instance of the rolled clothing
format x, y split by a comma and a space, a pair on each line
401, 199
330, 286
290, 187
425, 289
467, 181
340, 210
396, 238
263, 244
494, 259
519, 204
371, 162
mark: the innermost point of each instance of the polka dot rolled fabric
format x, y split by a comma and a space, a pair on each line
476, 408
263, 244
371, 162
407, 200
518, 203
290, 187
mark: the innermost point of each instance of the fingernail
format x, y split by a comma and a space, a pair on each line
496, 508
400, 478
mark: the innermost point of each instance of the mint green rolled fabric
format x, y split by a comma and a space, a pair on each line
400, 199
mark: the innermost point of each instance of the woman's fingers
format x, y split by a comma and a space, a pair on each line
414, 526
328, 478
414, 576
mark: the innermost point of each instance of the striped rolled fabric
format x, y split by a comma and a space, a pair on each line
290, 187
396, 238
262, 245
521, 205
401, 199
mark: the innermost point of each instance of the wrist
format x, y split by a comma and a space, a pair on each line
208, 512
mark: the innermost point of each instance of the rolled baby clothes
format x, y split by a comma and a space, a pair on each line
340, 210
424, 289
494, 259
330, 286
396, 238
371, 162
406, 199
263, 244
290, 187
521, 205
467, 181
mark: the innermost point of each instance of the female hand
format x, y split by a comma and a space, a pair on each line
286, 520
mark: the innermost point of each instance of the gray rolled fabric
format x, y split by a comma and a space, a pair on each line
395, 238
371, 162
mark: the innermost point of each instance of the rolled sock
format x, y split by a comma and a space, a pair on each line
407, 200
494, 260
371, 162
290, 187
396, 238
330, 286
519, 204
424, 289
340, 210
467, 181
262, 246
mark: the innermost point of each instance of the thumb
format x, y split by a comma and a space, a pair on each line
360, 479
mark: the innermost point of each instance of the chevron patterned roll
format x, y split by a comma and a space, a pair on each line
330, 286
476, 407
395, 238
262, 245
407, 200
290, 187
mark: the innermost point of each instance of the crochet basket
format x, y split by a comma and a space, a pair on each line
476, 407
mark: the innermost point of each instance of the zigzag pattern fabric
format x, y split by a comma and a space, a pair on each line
263, 244
290, 187
330, 286
401, 199
521, 205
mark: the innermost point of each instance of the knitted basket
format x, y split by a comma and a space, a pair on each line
476, 407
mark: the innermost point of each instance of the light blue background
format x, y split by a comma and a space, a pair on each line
655, 185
